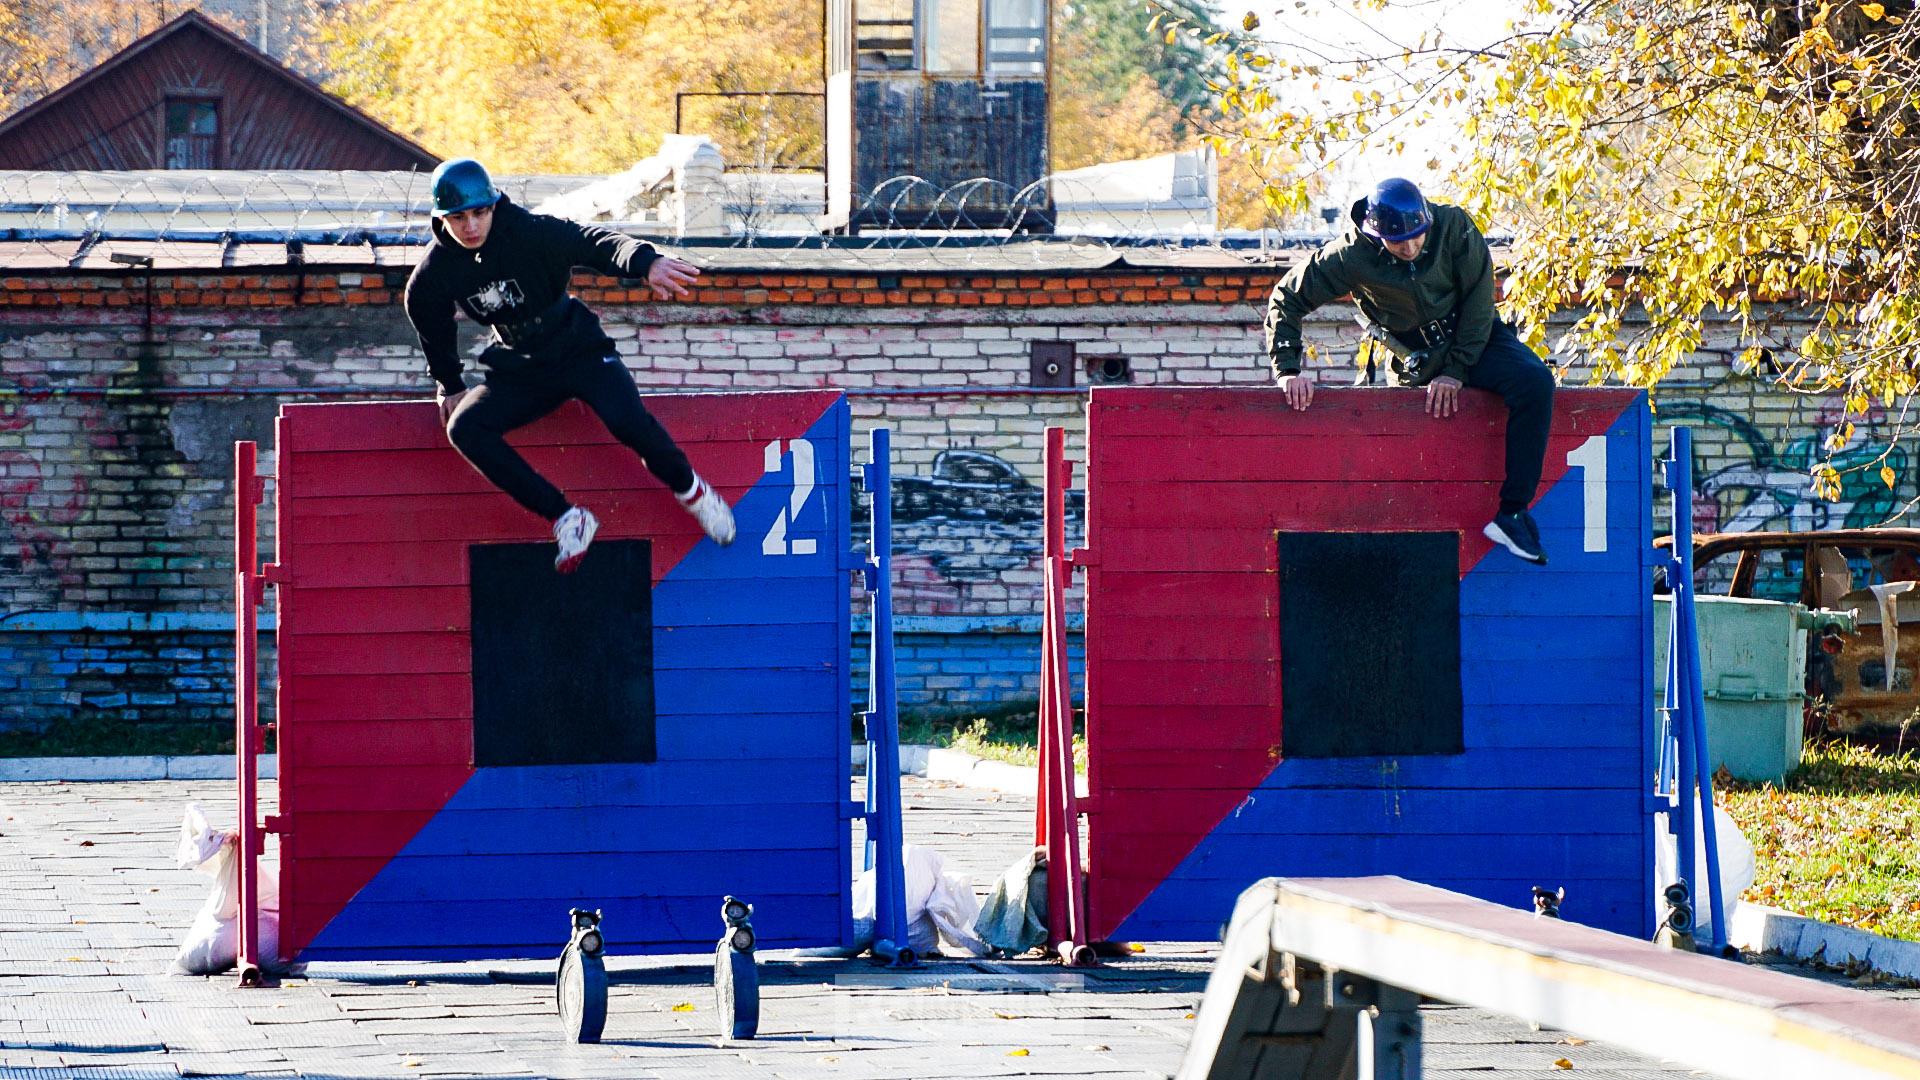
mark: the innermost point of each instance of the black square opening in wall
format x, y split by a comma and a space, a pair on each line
1369, 644
562, 663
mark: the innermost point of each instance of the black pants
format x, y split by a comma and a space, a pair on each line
479, 426
1513, 371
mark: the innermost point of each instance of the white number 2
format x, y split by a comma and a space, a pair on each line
1590, 458
776, 542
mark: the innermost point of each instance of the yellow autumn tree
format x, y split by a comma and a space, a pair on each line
45, 44
570, 85
1659, 162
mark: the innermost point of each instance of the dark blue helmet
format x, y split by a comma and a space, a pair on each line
1397, 211
462, 184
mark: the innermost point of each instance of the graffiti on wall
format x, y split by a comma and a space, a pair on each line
1769, 487
967, 535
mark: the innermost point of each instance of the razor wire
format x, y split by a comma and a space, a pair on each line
50, 219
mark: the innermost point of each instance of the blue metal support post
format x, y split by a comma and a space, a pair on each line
885, 855
1686, 699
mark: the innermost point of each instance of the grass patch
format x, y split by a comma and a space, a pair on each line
1839, 840
1008, 733
98, 737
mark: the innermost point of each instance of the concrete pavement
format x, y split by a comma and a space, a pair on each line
94, 910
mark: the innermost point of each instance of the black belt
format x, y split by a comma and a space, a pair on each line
1430, 335
529, 334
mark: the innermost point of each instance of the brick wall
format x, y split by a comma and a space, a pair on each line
115, 439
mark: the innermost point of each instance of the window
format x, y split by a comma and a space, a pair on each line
192, 134
562, 665
1764, 573
1016, 37
883, 35
950, 44
952, 37
1370, 644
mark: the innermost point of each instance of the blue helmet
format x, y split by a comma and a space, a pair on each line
462, 184
1397, 211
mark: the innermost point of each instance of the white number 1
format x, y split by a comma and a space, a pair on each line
776, 542
1590, 458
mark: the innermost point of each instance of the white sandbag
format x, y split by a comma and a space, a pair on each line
948, 902
212, 942
940, 904
1736, 866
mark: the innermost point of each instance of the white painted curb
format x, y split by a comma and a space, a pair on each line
90, 769
1759, 928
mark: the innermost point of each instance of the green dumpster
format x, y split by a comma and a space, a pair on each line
1753, 661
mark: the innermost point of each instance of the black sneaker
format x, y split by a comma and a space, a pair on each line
1518, 534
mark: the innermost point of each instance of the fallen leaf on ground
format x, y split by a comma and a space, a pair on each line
1563, 1063
1019, 1053
685, 1006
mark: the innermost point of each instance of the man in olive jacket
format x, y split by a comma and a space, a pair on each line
1423, 279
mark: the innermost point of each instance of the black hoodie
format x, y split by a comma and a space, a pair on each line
518, 276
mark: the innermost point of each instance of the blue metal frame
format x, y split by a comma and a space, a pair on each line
1686, 770
885, 855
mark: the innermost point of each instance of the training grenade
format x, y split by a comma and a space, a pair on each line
736, 981
581, 985
1680, 918
1676, 930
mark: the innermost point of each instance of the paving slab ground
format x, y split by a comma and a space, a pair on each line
92, 909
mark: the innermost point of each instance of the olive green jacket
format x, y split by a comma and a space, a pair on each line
1454, 274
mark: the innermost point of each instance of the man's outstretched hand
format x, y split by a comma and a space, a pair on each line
1299, 389
1443, 396
670, 278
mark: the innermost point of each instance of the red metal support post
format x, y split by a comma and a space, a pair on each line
248, 492
1059, 813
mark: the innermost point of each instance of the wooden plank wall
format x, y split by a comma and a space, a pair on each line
1191, 801
401, 849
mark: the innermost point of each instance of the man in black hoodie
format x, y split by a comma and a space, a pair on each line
509, 269
1422, 278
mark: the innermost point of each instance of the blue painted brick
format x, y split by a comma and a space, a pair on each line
105, 701
150, 697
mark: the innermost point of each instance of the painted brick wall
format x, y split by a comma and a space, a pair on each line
115, 440
966, 667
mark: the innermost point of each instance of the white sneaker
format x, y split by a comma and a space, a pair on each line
573, 532
710, 510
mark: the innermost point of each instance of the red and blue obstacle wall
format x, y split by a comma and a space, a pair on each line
1304, 659
471, 744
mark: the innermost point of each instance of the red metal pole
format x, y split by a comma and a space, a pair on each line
247, 493
1066, 893
1043, 803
